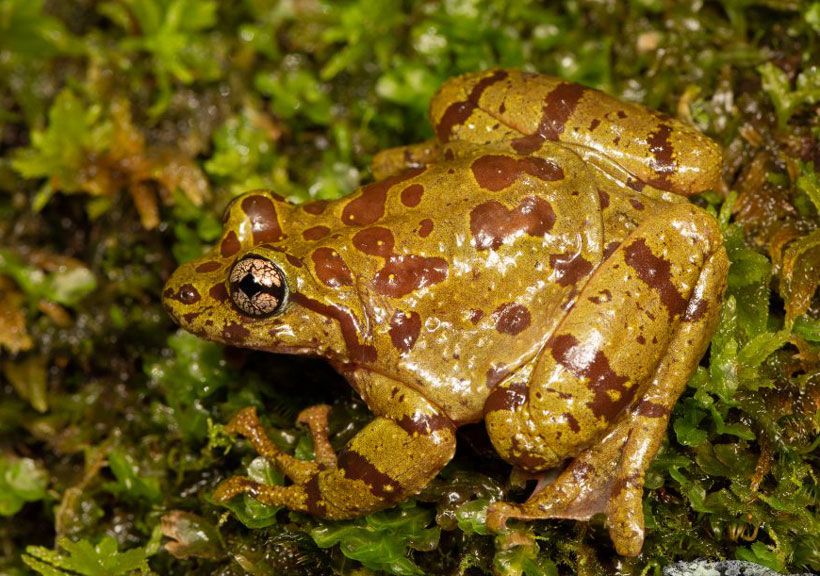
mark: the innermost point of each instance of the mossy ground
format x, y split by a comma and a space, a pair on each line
126, 126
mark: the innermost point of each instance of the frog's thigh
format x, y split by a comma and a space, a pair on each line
608, 345
685, 254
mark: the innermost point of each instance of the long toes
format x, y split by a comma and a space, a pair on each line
245, 421
317, 413
232, 487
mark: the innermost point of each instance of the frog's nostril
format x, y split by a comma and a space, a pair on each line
186, 294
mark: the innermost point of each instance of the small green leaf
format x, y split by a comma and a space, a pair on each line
687, 426
382, 540
808, 328
472, 517
759, 553
85, 559
131, 484
21, 480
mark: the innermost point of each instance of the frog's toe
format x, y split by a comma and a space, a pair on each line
498, 514
231, 488
244, 422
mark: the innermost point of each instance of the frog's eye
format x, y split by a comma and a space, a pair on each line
257, 286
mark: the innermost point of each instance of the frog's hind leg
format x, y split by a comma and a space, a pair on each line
609, 376
387, 461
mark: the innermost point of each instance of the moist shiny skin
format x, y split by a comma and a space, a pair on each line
535, 266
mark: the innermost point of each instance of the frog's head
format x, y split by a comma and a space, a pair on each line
254, 289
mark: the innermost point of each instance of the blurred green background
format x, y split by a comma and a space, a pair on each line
127, 125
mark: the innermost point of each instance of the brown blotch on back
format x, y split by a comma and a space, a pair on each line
411, 196
492, 223
656, 272
315, 233
425, 227
663, 164
559, 105
508, 397
570, 268
330, 268
261, 212
595, 367
368, 207
458, 112
375, 241
404, 330
230, 245
636, 204
402, 275
495, 172
511, 319
476, 315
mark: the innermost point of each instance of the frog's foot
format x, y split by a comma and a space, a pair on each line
246, 423
586, 487
388, 460
395, 160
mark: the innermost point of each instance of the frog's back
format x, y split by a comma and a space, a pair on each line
465, 266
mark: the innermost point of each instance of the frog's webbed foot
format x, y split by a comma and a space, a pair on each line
388, 460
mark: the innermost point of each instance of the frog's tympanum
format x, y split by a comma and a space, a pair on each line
536, 266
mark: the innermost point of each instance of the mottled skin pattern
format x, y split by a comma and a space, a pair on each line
536, 266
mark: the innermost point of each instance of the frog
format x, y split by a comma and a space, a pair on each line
537, 266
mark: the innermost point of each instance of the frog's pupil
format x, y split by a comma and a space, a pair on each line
250, 286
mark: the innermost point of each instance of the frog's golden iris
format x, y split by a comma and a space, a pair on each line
257, 286
536, 266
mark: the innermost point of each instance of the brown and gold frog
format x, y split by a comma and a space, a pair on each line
536, 266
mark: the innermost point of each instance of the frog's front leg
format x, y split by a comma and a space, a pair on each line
610, 374
390, 459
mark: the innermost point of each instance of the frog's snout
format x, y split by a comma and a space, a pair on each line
179, 297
